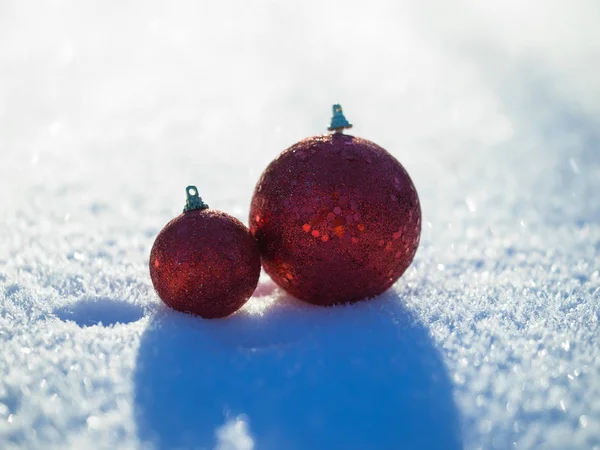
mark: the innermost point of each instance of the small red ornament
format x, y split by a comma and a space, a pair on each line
337, 218
204, 262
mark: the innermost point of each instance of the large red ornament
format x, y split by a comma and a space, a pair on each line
204, 262
337, 218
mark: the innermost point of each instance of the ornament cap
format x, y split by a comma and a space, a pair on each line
338, 120
194, 201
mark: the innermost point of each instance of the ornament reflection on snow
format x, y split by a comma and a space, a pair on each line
337, 218
204, 262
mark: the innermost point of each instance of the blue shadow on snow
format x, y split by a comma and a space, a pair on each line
365, 376
91, 311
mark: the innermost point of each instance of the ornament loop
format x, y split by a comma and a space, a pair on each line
194, 201
338, 121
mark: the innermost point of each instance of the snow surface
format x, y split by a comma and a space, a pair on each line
109, 109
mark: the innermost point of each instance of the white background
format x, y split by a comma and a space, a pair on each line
109, 109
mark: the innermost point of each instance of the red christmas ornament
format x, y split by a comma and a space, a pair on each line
337, 218
204, 262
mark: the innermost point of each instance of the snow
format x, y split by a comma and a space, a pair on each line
108, 111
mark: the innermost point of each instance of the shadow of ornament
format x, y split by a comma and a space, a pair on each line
365, 376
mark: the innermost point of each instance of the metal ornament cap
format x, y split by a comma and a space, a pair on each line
193, 201
338, 120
